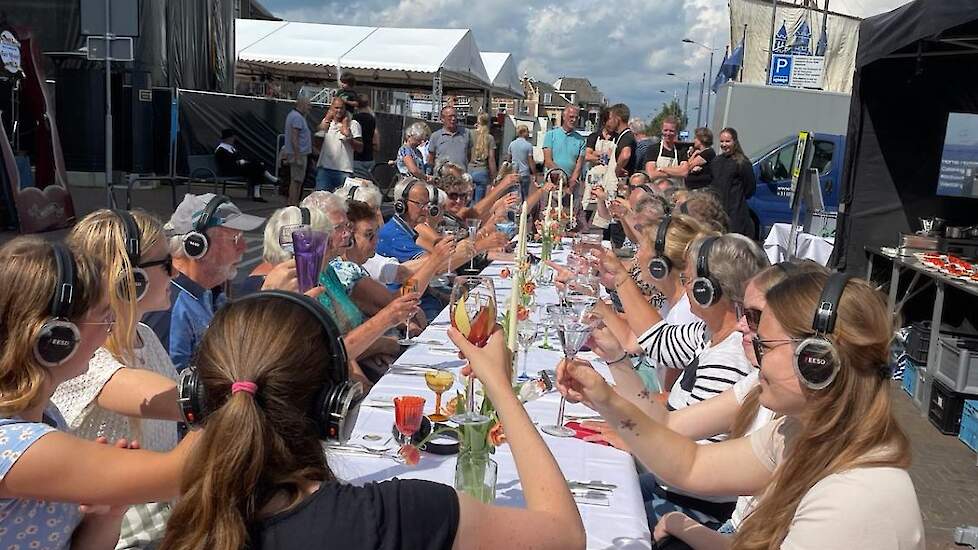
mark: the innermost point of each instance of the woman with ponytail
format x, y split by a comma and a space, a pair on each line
259, 479
830, 472
129, 390
54, 316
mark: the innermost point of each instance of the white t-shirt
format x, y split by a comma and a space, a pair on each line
763, 417
337, 151
383, 269
871, 508
681, 313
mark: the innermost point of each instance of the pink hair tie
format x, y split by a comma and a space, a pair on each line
244, 386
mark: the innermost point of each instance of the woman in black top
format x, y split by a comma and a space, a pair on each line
733, 181
696, 169
257, 477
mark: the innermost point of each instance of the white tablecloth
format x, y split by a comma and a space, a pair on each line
620, 525
810, 247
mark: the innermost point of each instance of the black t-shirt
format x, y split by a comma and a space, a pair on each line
368, 125
653, 153
390, 515
592, 139
704, 176
626, 139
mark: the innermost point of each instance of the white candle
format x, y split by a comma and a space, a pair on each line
560, 198
521, 237
514, 300
571, 215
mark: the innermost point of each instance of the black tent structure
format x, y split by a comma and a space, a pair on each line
914, 66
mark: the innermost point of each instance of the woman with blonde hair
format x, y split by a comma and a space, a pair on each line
482, 156
129, 390
53, 318
832, 471
259, 477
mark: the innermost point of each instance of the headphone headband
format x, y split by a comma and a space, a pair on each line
305, 216
131, 234
703, 259
64, 290
828, 303
205, 218
660, 235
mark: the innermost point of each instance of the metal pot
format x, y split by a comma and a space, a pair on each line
955, 232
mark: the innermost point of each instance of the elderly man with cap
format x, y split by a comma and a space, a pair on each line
206, 240
232, 162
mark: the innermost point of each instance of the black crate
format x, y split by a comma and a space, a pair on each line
918, 342
945, 408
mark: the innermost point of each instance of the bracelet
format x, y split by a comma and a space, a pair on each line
619, 360
623, 281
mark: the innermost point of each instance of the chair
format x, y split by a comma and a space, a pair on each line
204, 168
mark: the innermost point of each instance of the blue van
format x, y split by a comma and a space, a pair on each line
772, 171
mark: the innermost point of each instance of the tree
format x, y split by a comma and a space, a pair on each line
671, 108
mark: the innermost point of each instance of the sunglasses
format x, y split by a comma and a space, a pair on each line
763, 346
166, 262
459, 196
753, 315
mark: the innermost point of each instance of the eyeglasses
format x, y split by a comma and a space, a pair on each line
235, 238
419, 203
753, 315
683, 280
166, 262
459, 196
763, 346
108, 322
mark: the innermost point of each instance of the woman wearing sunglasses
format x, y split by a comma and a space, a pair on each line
129, 390
830, 472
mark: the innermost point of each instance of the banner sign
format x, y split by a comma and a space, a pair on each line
9, 52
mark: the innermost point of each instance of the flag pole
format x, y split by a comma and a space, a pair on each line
770, 52
743, 60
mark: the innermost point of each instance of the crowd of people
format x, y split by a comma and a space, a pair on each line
754, 398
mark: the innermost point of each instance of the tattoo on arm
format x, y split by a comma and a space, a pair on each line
645, 394
628, 424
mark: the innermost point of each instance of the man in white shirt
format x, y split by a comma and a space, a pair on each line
342, 136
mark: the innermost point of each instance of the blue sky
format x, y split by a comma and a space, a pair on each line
625, 47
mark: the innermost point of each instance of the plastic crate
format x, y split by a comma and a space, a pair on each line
945, 408
918, 342
909, 382
968, 433
957, 365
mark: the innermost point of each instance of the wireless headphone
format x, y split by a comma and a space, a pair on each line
816, 361
305, 215
706, 289
401, 204
661, 265
139, 277
336, 406
57, 339
352, 193
196, 243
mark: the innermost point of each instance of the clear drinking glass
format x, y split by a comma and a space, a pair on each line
573, 334
472, 307
473, 224
526, 334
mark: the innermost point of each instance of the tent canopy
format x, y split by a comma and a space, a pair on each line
914, 66
407, 58
502, 73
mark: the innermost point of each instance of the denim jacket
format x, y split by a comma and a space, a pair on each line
181, 328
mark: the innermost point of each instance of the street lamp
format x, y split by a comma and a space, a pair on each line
686, 100
711, 50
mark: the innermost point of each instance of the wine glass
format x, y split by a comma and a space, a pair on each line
445, 279
408, 410
526, 334
472, 307
438, 381
409, 286
581, 295
473, 224
573, 334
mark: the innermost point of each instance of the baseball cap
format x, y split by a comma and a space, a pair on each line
192, 208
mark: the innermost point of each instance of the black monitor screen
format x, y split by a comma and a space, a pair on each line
959, 163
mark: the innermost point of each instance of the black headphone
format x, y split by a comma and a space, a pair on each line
336, 406
683, 209
706, 289
401, 204
305, 215
816, 362
196, 243
139, 277
661, 265
57, 339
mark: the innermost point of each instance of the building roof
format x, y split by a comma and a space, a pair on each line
502, 73
587, 93
556, 99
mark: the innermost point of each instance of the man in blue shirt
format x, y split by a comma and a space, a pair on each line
563, 147
521, 155
195, 293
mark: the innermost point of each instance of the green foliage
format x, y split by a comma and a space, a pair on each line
671, 108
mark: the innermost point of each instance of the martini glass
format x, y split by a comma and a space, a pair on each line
473, 313
573, 334
581, 295
526, 334
473, 224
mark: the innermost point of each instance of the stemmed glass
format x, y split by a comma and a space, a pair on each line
581, 295
438, 381
526, 334
472, 308
445, 279
408, 287
573, 334
408, 410
473, 224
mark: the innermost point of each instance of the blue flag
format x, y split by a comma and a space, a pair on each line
730, 66
823, 41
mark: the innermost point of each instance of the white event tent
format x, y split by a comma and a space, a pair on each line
502, 73
378, 56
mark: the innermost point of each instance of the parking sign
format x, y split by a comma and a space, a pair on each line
780, 70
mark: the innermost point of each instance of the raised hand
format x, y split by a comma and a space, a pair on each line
580, 383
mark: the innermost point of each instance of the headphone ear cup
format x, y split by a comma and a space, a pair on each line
399, 207
337, 409
660, 267
816, 363
434, 210
141, 281
195, 245
705, 292
190, 397
56, 341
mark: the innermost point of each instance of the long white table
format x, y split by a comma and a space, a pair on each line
620, 525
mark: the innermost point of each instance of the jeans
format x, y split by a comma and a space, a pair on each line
660, 501
480, 177
328, 179
525, 186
